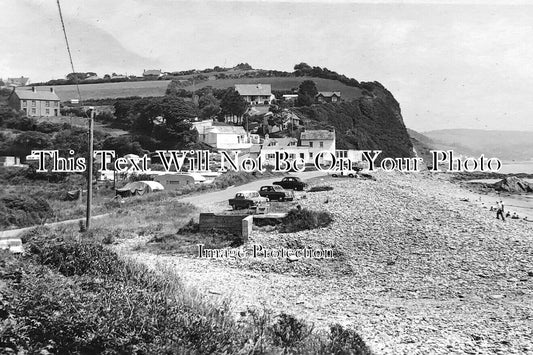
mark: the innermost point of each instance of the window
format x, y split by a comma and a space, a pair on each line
57, 103
47, 103
24, 102
33, 103
310, 154
33, 110
321, 144
47, 111
311, 144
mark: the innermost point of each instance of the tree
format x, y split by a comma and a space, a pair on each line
302, 66
74, 77
123, 145
31, 140
174, 129
306, 93
208, 100
308, 87
232, 103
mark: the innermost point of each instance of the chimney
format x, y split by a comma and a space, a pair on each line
51, 89
33, 88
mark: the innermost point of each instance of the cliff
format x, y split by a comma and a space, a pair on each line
371, 122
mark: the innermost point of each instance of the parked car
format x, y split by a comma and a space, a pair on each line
276, 193
246, 199
291, 182
343, 173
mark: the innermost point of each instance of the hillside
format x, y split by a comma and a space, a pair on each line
111, 90
369, 122
158, 87
284, 83
505, 145
421, 144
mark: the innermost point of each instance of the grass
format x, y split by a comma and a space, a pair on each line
72, 295
158, 87
113, 90
303, 219
320, 188
285, 83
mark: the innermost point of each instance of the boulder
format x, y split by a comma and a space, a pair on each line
513, 184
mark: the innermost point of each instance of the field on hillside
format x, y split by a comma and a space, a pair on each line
111, 90
158, 88
286, 83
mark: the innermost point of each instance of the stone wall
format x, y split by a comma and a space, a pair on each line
239, 225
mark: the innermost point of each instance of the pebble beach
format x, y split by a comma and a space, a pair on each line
420, 266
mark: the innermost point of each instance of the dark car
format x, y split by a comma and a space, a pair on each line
292, 183
276, 193
246, 199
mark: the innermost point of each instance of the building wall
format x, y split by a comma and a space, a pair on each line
328, 145
228, 141
268, 155
36, 108
239, 225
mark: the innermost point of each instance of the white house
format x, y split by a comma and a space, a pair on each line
318, 141
288, 145
222, 136
256, 94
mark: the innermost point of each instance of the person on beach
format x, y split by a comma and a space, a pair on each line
515, 216
500, 210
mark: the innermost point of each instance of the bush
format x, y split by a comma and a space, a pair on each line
78, 297
320, 188
345, 341
303, 219
288, 332
23, 211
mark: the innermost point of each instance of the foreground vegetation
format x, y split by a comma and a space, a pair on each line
27, 201
72, 295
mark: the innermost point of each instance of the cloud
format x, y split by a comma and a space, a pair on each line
449, 66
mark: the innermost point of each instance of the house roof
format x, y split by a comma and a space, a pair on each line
22, 81
36, 95
329, 93
152, 72
254, 89
228, 130
317, 134
279, 142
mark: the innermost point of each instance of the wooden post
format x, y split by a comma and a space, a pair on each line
90, 172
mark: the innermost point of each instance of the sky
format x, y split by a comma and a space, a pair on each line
452, 65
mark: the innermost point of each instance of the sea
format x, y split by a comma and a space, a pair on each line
521, 204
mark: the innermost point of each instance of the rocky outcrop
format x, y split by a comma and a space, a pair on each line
513, 184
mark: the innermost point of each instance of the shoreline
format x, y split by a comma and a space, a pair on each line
412, 264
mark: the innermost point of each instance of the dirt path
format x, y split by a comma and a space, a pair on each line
208, 201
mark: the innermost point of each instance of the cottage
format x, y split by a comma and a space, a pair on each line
287, 145
10, 161
35, 103
256, 94
318, 141
222, 136
16, 82
328, 96
152, 73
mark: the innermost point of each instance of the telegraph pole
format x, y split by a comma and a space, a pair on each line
90, 170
